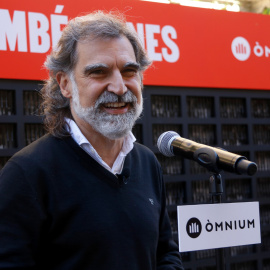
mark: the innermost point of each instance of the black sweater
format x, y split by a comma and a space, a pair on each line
60, 209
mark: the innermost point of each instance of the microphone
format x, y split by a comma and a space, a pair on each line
124, 176
215, 159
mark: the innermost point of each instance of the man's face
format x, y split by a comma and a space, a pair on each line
106, 86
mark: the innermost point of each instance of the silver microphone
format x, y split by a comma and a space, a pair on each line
171, 144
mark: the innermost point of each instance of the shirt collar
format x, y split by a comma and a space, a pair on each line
75, 132
81, 140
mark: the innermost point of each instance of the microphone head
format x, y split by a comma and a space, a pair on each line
164, 142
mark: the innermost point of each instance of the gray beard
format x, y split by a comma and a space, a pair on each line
112, 126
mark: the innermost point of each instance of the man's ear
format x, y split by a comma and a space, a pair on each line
65, 84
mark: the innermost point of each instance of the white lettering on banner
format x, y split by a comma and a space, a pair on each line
171, 53
258, 50
58, 9
174, 56
56, 22
14, 31
151, 42
267, 51
38, 32
140, 31
13, 34
241, 49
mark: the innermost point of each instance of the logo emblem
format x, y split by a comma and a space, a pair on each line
194, 227
240, 48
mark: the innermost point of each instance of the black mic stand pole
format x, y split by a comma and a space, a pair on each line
208, 158
216, 190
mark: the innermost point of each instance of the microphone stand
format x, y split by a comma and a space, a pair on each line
216, 190
208, 158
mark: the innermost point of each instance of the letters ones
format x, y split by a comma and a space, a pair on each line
168, 35
14, 31
45, 32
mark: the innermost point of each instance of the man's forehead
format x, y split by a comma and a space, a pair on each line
99, 51
91, 39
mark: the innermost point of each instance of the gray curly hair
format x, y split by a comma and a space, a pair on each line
55, 107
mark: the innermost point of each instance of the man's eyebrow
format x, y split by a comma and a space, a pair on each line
92, 67
132, 65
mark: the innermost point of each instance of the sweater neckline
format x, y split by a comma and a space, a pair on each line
91, 164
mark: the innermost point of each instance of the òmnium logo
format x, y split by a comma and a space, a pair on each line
240, 48
194, 227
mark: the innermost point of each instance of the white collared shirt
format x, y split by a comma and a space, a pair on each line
117, 167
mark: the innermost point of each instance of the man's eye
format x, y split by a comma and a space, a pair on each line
130, 72
97, 72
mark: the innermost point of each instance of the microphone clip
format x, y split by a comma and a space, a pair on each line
207, 158
123, 177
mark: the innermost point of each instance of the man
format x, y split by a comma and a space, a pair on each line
86, 196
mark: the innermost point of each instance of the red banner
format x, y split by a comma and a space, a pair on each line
190, 47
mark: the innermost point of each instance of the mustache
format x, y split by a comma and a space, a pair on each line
109, 97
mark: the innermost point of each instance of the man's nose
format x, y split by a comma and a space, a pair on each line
117, 84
